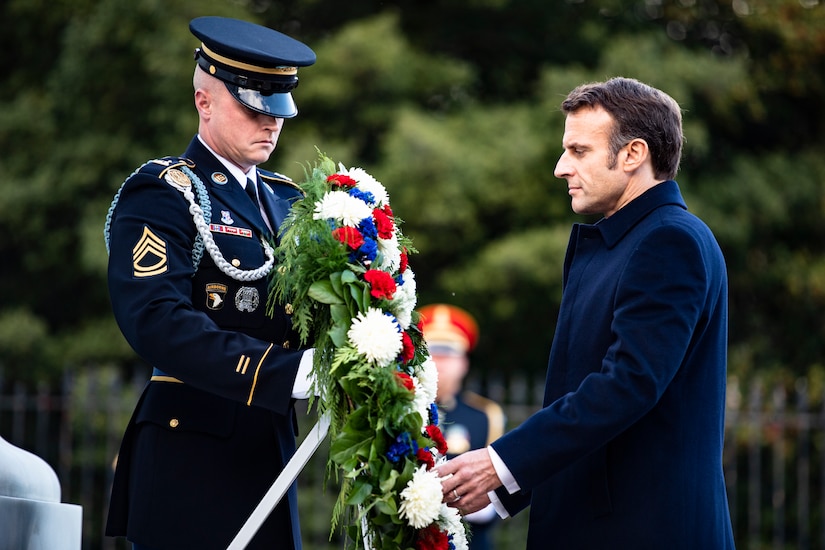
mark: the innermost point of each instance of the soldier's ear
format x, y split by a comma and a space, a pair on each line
203, 102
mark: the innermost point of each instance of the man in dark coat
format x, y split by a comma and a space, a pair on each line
627, 449
190, 241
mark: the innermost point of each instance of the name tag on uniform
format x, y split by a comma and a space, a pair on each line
227, 230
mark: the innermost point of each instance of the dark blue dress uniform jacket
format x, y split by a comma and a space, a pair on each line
199, 454
627, 450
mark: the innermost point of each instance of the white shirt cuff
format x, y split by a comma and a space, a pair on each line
302, 387
503, 472
485, 515
497, 505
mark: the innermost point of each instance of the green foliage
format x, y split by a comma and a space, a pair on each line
460, 121
335, 262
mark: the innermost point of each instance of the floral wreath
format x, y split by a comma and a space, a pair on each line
343, 265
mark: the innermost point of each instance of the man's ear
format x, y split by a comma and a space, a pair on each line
203, 102
636, 154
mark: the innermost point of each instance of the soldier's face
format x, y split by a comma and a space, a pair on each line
235, 132
451, 372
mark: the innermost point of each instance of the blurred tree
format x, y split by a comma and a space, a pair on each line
454, 106
98, 87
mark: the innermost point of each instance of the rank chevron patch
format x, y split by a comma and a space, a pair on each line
149, 255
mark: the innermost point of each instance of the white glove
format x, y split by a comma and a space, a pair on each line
304, 380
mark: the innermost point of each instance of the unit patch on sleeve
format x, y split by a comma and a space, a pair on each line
149, 255
215, 295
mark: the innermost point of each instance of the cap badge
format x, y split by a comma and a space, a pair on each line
177, 179
247, 299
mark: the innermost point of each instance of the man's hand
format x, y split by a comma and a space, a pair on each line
466, 480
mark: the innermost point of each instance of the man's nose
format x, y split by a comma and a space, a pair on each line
269, 122
562, 169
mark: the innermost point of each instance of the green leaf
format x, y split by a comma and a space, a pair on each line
348, 277
388, 481
338, 334
335, 279
323, 292
359, 494
361, 295
340, 314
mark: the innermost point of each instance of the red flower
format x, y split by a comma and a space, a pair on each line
405, 380
382, 285
431, 538
405, 261
350, 236
383, 223
407, 347
425, 457
341, 180
434, 433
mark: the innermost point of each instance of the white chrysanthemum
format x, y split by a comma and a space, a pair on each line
427, 376
404, 300
421, 498
375, 336
342, 207
450, 521
390, 253
421, 403
368, 184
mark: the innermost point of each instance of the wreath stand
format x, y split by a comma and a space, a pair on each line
281, 485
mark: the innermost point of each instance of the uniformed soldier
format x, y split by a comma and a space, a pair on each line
190, 249
468, 420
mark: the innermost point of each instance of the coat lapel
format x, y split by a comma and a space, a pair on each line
275, 206
229, 200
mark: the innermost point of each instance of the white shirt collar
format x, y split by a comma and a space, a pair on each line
239, 174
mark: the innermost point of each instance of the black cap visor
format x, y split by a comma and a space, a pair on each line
274, 105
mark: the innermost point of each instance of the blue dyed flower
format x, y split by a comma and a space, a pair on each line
365, 196
433, 414
368, 229
404, 445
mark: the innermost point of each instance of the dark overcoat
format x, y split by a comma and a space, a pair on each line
627, 449
215, 426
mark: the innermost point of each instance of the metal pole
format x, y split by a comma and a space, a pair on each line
281, 485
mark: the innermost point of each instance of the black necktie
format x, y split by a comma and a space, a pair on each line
251, 191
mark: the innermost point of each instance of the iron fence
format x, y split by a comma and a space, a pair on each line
774, 454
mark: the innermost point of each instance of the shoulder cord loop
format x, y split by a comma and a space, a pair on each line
107, 226
197, 249
204, 238
209, 243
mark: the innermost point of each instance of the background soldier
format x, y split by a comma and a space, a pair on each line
468, 420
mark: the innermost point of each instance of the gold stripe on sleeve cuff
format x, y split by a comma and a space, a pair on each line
255, 378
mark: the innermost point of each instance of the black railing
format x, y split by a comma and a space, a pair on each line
774, 454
